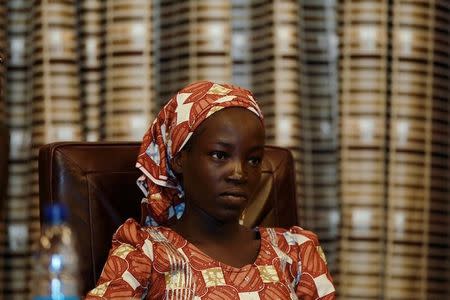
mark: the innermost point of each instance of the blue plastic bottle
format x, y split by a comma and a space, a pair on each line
55, 274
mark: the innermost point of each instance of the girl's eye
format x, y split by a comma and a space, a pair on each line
254, 161
220, 155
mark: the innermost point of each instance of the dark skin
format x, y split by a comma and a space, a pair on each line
220, 169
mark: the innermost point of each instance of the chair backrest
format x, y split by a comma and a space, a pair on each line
97, 181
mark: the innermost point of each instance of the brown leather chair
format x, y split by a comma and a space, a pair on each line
98, 183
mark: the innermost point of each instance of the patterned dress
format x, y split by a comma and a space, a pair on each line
158, 263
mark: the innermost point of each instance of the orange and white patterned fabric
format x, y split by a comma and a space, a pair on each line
154, 262
170, 131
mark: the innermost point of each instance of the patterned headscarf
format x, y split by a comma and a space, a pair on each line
170, 131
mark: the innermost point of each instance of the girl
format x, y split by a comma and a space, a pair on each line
201, 163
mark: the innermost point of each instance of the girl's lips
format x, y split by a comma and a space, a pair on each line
233, 199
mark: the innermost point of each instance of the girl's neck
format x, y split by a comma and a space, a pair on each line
199, 227
226, 242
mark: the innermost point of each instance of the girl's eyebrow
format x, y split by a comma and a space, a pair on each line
223, 143
229, 145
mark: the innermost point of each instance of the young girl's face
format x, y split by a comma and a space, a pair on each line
222, 166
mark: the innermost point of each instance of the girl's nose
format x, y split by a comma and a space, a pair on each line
238, 172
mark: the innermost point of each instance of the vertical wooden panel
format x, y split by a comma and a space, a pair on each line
418, 193
129, 71
240, 46
3, 46
275, 72
210, 41
174, 47
195, 44
319, 186
19, 123
3, 214
54, 87
91, 33
363, 107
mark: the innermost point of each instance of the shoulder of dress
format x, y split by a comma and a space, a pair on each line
301, 235
293, 235
131, 232
281, 230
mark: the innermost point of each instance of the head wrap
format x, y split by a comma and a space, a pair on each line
169, 132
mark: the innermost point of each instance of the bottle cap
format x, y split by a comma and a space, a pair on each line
55, 213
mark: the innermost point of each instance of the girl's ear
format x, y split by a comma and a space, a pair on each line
177, 162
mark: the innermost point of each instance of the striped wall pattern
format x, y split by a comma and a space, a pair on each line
3, 214
174, 45
417, 247
129, 63
240, 47
276, 73
395, 82
55, 105
195, 44
363, 116
3, 51
91, 39
319, 146
18, 102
